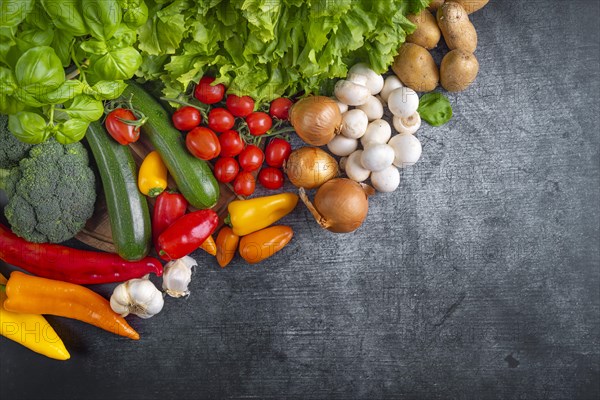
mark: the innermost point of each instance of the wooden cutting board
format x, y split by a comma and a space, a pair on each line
97, 232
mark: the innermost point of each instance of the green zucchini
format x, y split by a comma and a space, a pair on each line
193, 176
127, 207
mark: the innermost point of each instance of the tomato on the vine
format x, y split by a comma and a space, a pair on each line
207, 93
280, 108
259, 123
277, 151
251, 158
271, 178
240, 106
226, 169
244, 184
186, 118
203, 143
231, 143
220, 120
120, 124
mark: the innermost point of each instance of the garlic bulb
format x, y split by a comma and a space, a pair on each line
137, 296
177, 276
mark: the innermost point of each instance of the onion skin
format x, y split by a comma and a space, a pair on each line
316, 119
310, 167
340, 205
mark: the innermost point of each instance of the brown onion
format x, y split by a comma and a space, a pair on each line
340, 204
310, 167
316, 119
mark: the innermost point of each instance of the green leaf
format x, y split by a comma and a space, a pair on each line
85, 108
136, 16
10, 104
63, 40
119, 64
64, 92
34, 37
39, 71
108, 90
102, 17
71, 131
66, 15
12, 13
435, 108
8, 83
28, 127
94, 46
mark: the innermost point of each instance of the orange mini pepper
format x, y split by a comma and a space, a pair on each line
227, 244
262, 244
209, 246
33, 295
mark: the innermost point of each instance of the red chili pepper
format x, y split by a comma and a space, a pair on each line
186, 234
169, 207
63, 263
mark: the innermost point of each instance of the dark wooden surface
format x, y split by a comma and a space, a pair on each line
478, 279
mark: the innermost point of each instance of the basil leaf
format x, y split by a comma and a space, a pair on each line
39, 71
116, 65
435, 108
107, 90
136, 16
71, 131
63, 40
10, 104
12, 13
28, 127
64, 92
8, 85
103, 17
66, 15
85, 108
94, 46
30, 38
123, 37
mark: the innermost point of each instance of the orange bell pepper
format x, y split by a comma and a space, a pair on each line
262, 244
33, 295
227, 243
209, 246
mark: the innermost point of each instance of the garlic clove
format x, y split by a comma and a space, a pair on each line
137, 296
177, 276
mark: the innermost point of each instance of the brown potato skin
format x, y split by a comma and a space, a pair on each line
458, 70
472, 5
416, 68
428, 33
458, 31
435, 4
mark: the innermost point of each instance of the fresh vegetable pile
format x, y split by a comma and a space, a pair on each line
236, 79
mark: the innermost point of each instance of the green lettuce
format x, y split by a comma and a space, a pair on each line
269, 48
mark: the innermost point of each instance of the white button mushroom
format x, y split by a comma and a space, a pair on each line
377, 157
386, 180
354, 123
343, 107
407, 126
373, 108
407, 149
358, 79
342, 146
350, 93
378, 131
390, 84
403, 102
342, 163
374, 80
354, 168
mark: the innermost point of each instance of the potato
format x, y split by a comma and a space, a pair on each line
472, 5
427, 33
435, 4
458, 70
415, 67
458, 31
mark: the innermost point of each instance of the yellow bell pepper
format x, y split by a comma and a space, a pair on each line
247, 216
152, 179
31, 330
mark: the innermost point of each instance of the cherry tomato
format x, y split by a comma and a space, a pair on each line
271, 178
240, 106
277, 151
207, 93
203, 143
231, 143
244, 184
220, 120
259, 123
280, 108
226, 169
121, 131
186, 118
251, 158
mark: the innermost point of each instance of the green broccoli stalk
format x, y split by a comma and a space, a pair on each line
51, 193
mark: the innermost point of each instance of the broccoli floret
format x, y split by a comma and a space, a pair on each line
12, 150
51, 192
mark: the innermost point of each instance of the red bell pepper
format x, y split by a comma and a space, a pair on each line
186, 234
63, 263
169, 207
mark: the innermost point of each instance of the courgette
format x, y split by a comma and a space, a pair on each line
193, 176
127, 207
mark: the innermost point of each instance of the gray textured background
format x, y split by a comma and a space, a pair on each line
478, 279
